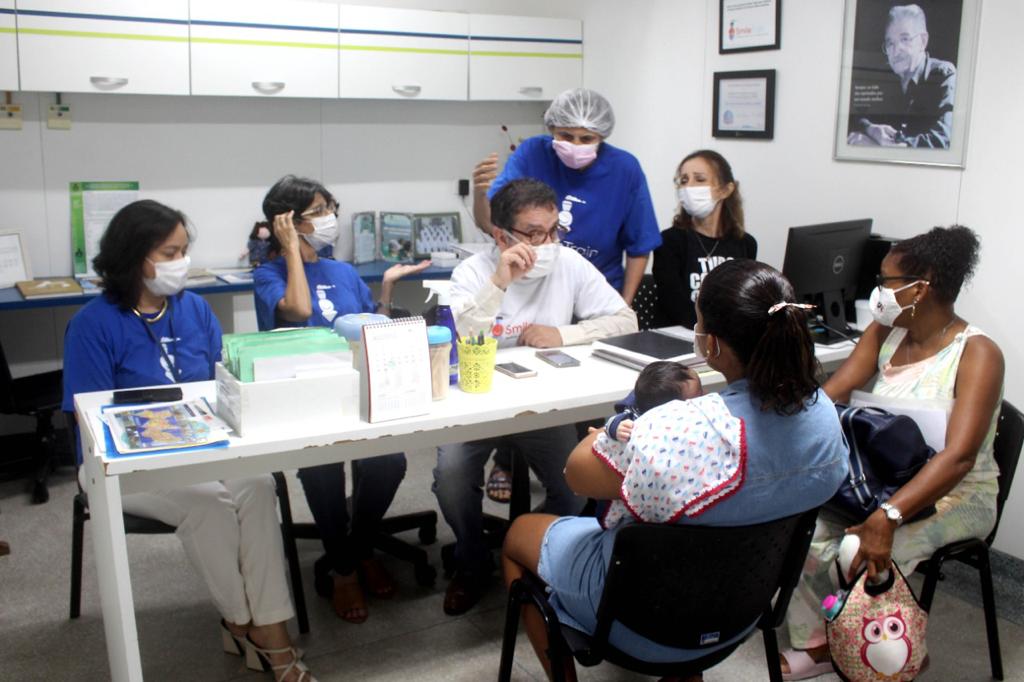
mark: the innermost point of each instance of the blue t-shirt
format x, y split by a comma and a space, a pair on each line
606, 206
107, 347
335, 289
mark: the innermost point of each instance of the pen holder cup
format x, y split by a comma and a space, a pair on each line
476, 365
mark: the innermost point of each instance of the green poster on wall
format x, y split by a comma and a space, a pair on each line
93, 204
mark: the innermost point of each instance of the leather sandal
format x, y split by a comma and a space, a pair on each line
377, 580
499, 485
348, 597
233, 644
295, 670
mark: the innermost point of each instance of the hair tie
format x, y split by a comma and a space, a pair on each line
782, 304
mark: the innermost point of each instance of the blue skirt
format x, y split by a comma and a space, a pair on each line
574, 559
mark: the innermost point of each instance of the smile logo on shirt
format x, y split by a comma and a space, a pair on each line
325, 304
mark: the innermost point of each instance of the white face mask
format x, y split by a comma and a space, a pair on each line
325, 232
697, 201
547, 254
171, 276
884, 306
701, 353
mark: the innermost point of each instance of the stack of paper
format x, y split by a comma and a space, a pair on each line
284, 354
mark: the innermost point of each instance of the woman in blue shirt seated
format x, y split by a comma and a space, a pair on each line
792, 458
145, 330
300, 289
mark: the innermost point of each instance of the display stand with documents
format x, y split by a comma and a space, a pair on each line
395, 380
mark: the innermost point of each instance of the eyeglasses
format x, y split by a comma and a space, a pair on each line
539, 238
880, 280
905, 41
320, 211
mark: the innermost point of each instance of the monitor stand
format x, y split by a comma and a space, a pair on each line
835, 329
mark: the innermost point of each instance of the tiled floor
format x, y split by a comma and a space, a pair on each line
408, 638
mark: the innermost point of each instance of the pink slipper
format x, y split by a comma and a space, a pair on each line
802, 666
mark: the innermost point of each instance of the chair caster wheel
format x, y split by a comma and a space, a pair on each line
40, 493
426, 575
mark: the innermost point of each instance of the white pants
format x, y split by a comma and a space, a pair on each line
232, 536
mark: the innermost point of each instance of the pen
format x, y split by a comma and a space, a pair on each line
480, 339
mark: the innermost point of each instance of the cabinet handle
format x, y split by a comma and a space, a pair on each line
407, 90
531, 90
268, 87
105, 83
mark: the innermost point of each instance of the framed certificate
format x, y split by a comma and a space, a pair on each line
748, 25
14, 263
744, 104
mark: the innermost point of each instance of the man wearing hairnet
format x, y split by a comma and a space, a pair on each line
604, 204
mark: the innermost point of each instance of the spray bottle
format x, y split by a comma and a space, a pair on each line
442, 289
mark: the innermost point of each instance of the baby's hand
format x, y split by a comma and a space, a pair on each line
624, 430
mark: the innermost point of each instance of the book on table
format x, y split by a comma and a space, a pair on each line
50, 287
639, 349
169, 426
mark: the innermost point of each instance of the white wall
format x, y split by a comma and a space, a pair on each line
214, 157
655, 60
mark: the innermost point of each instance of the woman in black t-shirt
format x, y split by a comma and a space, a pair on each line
706, 231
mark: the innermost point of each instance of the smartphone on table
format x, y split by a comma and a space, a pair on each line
515, 370
558, 358
137, 396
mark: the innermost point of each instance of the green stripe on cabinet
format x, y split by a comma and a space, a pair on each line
95, 34
546, 55
414, 50
262, 43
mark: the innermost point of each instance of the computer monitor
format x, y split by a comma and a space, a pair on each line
823, 262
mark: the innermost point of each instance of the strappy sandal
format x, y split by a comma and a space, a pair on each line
377, 580
233, 644
803, 667
499, 485
257, 658
347, 597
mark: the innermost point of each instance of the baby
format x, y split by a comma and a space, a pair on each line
658, 383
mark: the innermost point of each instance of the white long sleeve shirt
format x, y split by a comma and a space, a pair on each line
574, 290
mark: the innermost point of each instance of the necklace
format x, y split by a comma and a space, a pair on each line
704, 248
939, 334
151, 320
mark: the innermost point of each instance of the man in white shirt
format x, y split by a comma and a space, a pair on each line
537, 289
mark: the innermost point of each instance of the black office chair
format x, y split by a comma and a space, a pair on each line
143, 526
1006, 450
680, 586
645, 302
37, 396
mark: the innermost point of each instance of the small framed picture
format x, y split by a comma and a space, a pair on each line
744, 104
396, 230
364, 237
436, 232
748, 25
14, 263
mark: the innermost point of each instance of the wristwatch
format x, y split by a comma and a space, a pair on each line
892, 513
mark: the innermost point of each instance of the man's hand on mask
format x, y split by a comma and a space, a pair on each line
514, 262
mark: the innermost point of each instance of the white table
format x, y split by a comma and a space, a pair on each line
553, 397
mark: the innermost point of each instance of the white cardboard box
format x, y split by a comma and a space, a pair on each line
313, 402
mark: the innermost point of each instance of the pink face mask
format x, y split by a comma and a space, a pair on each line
575, 156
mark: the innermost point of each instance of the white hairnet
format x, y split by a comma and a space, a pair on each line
581, 108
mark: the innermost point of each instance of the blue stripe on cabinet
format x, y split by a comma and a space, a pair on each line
103, 17
511, 39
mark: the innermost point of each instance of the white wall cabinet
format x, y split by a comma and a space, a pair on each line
523, 58
8, 47
264, 48
121, 46
403, 54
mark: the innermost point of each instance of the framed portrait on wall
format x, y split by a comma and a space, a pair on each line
743, 104
748, 25
905, 83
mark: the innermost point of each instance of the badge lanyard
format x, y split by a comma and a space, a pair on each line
173, 366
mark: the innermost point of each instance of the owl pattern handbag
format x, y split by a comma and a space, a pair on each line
879, 631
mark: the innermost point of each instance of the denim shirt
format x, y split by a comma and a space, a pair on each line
794, 462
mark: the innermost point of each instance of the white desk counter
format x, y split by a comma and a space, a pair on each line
555, 396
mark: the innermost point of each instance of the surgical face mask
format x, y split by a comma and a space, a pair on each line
575, 156
325, 232
701, 353
547, 254
697, 201
171, 276
884, 306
